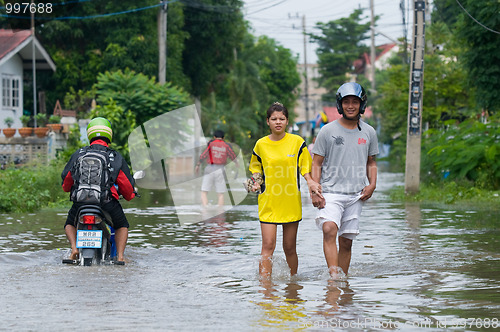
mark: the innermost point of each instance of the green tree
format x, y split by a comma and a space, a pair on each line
263, 73
216, 29
142, 95
446, 95
339, 44
466, 151
478, 31
90, 42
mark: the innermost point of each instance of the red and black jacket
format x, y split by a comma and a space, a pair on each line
120, 173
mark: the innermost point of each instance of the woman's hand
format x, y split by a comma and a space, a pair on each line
314, 188
315, 191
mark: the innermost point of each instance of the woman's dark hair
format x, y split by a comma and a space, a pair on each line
277, 107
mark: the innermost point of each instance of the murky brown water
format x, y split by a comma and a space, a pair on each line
413, 268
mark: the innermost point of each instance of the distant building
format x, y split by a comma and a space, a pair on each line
314, 97
383, 54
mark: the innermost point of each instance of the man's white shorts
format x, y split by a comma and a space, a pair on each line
344, 210
214, 177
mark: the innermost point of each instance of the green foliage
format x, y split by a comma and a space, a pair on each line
215, 29
468, 151
8, 121
54, 119
479, 52
339, 44
83, 48
80, 101
30, 188
264, 72
41, 119
176, 39
72, 144
25, 119
446, 94
137, 93
450, 192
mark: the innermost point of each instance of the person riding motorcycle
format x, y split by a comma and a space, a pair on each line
100, 135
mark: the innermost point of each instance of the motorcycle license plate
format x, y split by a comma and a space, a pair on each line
89, 239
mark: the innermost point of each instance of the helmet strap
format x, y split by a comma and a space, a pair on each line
358, 117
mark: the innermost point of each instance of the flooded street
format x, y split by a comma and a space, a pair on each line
414, 267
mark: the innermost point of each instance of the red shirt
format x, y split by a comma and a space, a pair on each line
217, 152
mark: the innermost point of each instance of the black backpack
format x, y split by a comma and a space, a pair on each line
92, 176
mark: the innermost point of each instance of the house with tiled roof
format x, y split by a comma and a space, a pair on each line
383, 53
18, 48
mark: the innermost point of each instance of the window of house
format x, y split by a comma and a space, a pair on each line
11, 93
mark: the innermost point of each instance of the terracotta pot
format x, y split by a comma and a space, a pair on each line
25, 131
55, 127
9, 132
41, 131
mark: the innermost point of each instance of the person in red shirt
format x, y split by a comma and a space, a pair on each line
215, 155
100, 134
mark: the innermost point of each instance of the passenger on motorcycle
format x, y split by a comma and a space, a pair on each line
121, 182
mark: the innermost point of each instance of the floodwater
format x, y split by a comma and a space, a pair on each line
414, 267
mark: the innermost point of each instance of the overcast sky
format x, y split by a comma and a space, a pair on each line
282, 19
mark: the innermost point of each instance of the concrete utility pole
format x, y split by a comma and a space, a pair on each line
306, 83
405, 32
372, 47
162, 42
415, 100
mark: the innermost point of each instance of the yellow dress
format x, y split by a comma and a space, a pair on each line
281, 163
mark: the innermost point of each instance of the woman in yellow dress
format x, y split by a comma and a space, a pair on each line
279, 159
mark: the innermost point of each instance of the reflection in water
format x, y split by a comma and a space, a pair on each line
338, 294
413, 219
281, 308
215, 226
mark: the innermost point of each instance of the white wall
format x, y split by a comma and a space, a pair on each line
14, 66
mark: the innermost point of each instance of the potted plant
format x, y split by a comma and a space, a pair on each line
9, 132
41, 121
25, 131
55, 123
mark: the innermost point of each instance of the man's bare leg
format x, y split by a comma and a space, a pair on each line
330, 246
121, 236
345, 246
221, 199
70, 231
204, 198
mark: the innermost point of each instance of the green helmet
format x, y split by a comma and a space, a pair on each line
99, 127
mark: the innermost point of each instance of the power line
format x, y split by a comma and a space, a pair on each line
274, 5
472, 17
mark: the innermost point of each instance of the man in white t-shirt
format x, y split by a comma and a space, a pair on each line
344, 164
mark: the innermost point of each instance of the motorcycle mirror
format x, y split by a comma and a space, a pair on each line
139, 175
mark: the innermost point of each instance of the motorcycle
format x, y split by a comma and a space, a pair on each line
94, 237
